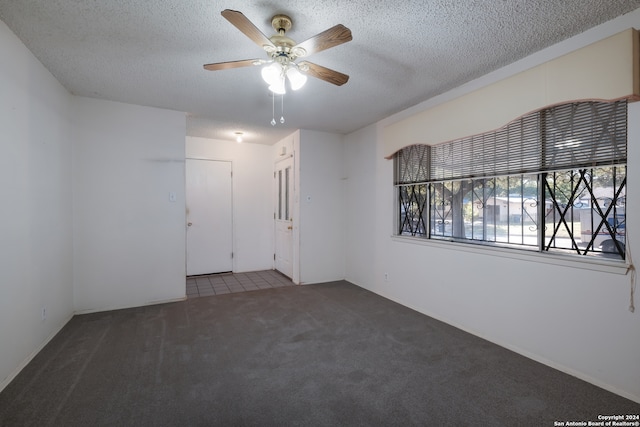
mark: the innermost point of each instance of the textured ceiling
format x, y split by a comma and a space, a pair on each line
151, 53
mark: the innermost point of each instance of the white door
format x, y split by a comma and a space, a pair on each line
283, 219
209, 220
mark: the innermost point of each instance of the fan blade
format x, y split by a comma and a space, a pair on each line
334, 36
324, 73
232, 64
243, 24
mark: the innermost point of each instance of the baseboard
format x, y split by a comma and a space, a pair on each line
123, 307
33, 354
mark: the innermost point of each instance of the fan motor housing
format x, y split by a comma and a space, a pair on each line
281, 24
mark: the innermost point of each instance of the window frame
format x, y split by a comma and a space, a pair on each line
412, 176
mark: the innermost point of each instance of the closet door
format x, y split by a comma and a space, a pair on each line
209, 217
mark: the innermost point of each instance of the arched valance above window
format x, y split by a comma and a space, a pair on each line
607, 70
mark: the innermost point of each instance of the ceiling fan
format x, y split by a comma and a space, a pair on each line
283, 52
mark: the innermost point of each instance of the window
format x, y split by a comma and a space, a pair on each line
551, 181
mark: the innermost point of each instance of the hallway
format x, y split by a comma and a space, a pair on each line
226, 283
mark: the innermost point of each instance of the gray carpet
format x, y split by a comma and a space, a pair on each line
319, 355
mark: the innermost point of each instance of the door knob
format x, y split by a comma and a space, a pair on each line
289, 228
189, 224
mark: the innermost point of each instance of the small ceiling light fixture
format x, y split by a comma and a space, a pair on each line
238, 137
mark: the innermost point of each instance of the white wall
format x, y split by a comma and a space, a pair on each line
322, 207
129, 238
252, 168
574, 319
361, 195
286, 146
35, 212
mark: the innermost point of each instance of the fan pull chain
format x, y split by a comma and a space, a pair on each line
273, 109
282, 110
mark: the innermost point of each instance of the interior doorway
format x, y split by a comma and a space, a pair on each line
209, 216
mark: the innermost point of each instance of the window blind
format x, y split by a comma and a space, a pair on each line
583, 134
412, 164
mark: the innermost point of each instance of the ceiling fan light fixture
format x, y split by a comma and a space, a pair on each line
296, 78
283, 52
272, 73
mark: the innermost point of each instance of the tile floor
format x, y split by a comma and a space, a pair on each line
226, 283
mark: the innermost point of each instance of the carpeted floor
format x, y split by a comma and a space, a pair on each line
318, 355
